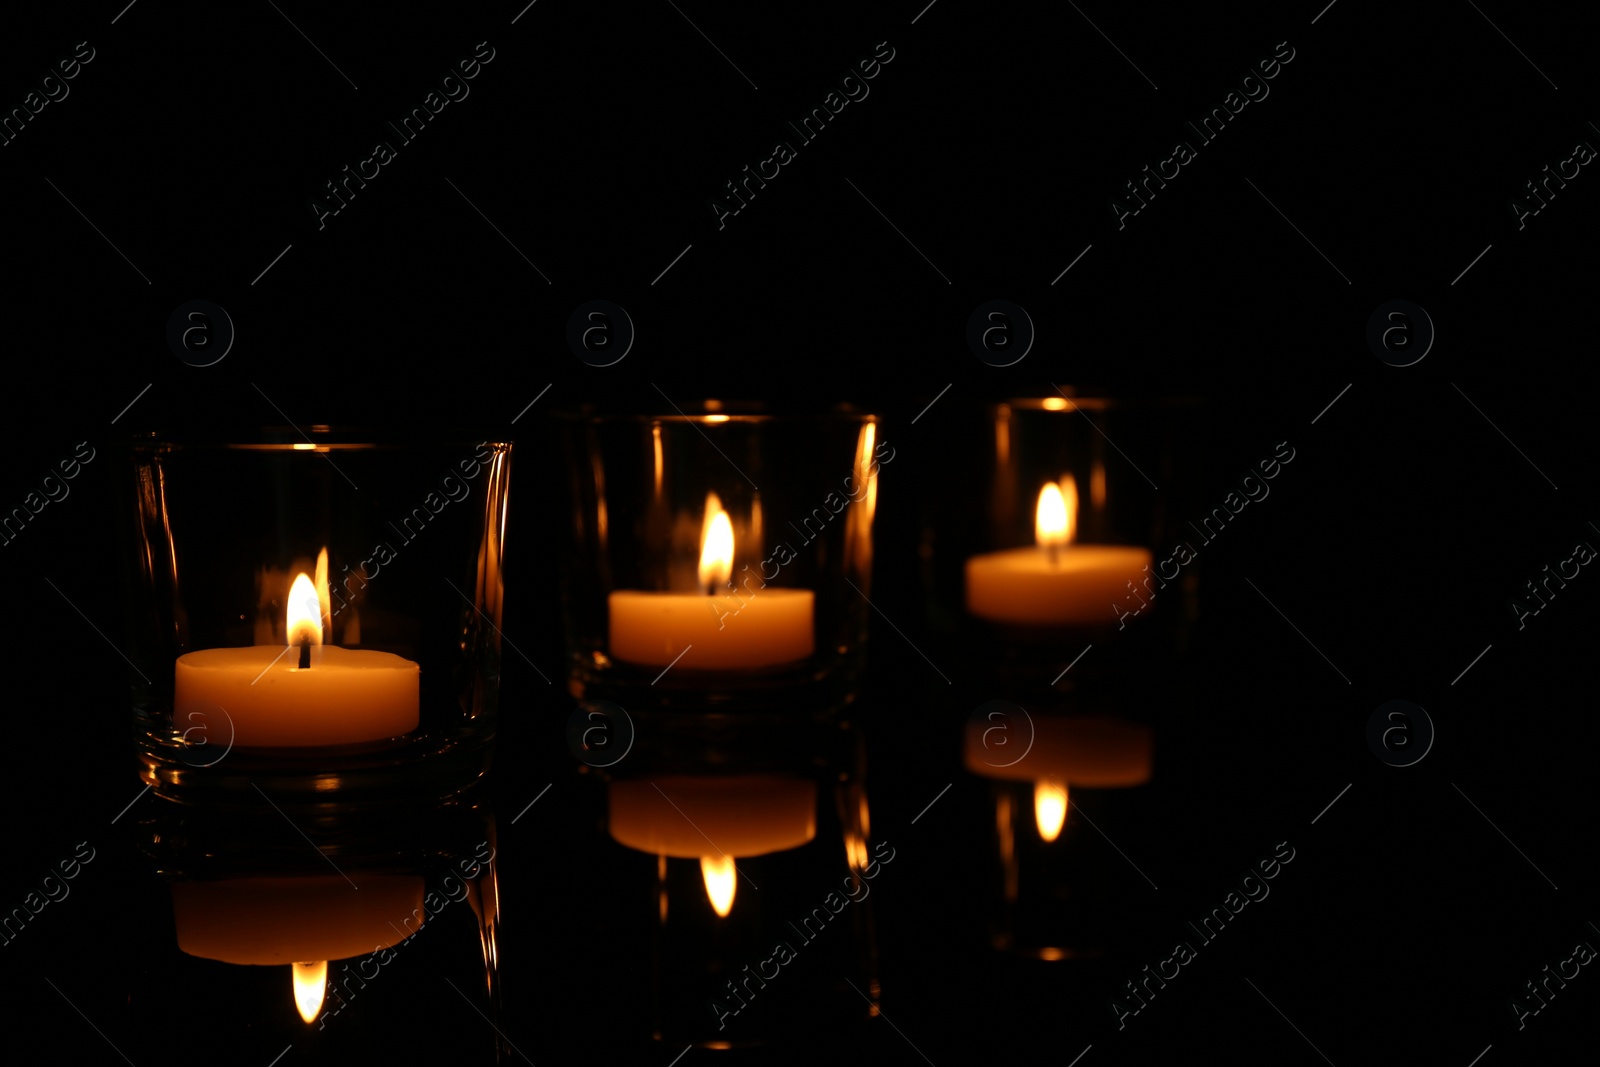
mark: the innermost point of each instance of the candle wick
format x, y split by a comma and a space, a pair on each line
305, 655
1055, 559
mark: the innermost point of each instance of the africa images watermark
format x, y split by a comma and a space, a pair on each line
433, 902
453, 88
1183, 952
810, 127
1552, 982
855, 890
784, 554
451, 489
1582, 555
1185, 553
1582, 154
12, 123
53, 488
1184, 152
50, 888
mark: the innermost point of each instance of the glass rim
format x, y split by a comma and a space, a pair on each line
318, 438
1065, 403
713, 411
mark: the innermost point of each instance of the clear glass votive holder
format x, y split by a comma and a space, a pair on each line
721, 556
1048, 550
315, 614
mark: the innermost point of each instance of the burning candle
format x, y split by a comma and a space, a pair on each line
1055, 582
754, 627
714, 819
305, 693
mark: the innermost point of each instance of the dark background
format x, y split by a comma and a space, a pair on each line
995, 139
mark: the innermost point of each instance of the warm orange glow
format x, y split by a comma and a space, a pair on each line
718, 418
716, 546
1052, 522
1069, 497
1055, 403
856, 838
661, 888
1005, 826
310, 984
304, 446
863, 489
1050, 807
1055, 520
305, 613
719, 874
661, 463
320, 580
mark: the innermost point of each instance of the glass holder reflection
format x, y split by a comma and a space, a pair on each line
336, 941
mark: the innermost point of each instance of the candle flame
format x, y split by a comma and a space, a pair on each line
716, 546
719, 873
305, 613
310, 985
1050, 807
1056, 519
310, 608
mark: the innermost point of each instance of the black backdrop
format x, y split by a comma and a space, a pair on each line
1384, 163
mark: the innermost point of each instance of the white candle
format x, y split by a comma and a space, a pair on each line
344, 695
1054, 583
751, 628
653, 628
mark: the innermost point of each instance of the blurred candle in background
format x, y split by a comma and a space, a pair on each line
1055, 582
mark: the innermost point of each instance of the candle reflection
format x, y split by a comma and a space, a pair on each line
1056, 886
715, 820
300, 921
257, 944
721, 883
753, 844
310, 985
1049, 807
